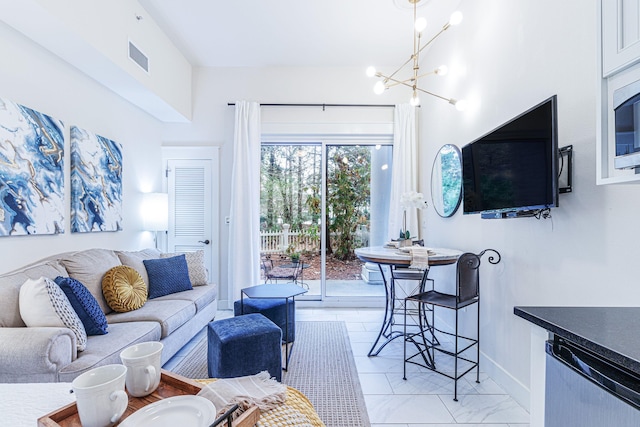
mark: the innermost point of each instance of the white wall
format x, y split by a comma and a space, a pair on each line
40, 80
516, 54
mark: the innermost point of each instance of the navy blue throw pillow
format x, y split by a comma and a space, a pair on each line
85, 305
167, 275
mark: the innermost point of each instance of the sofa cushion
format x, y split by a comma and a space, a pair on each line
89, 267
169, 314
195, 266
105, 349
134, 259
201, 296
85, 305
10, 284
124, 289
43, 303
167, 275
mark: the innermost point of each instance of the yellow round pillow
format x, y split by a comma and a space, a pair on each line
124, 289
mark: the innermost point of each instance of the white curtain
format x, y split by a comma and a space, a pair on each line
244, 228
404, 174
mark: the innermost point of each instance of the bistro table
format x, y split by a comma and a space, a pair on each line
398, 258
301, 265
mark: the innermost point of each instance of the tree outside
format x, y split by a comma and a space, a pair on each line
291, 179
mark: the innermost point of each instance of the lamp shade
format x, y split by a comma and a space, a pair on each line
155, 211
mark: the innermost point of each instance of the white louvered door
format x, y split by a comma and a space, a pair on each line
190, 202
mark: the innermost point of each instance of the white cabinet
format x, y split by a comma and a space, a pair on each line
619, 62
620, 34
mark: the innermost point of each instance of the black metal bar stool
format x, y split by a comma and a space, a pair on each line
425, 342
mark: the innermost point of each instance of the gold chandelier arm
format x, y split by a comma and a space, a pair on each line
400, 82
426, 74
398, 70
438, 34
449, 100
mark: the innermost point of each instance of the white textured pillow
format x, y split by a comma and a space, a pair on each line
195, 265
43, 303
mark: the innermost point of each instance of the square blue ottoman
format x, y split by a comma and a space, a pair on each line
244, 345
273, 309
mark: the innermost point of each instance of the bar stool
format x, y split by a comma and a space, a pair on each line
467, 294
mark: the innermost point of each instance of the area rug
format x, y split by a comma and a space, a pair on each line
321, 366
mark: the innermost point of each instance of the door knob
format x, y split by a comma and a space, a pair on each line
206, 242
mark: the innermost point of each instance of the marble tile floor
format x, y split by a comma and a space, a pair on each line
425, 399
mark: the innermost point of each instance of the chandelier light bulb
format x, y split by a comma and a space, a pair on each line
371, 71
420, 25
456, 18
442, 70
415, 100
461, 105
378, 88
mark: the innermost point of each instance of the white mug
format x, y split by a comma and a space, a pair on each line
100, 395
143, 367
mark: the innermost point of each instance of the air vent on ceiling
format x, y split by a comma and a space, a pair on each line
138, 57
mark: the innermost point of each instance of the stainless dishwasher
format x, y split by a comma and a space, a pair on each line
583, 389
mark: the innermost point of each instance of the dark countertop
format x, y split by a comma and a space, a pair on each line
611, 332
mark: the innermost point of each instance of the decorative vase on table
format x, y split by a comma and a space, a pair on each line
409, 200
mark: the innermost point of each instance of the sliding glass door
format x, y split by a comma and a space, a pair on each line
320, 201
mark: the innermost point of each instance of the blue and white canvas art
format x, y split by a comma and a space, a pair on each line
96, 182
31, 171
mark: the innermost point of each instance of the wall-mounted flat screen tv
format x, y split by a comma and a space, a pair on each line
512, 170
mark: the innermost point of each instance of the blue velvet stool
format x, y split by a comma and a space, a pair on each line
244, 345
273, 309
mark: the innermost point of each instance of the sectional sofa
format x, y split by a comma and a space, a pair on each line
53, 353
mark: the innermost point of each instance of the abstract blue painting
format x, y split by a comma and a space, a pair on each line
96, 182
31, 171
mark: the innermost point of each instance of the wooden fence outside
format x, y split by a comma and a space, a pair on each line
274, 242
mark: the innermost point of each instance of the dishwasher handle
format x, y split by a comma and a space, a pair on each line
621, 384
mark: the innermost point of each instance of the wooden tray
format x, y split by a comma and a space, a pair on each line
170, 385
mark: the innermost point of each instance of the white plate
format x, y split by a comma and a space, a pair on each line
192, 411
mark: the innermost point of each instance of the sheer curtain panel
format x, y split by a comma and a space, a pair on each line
404, 175
244, 228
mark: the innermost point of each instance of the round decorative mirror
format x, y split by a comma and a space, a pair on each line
446, 180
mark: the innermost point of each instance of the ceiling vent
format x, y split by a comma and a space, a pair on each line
138, 57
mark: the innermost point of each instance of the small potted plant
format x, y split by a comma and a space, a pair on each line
293, 254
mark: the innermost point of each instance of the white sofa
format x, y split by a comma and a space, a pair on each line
49, 354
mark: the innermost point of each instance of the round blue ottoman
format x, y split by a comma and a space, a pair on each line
273, 309
244, 345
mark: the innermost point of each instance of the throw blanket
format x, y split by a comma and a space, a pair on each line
254, 390
419, 258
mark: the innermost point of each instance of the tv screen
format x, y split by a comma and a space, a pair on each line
514, 167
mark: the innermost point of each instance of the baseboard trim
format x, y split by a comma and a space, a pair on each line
504, 379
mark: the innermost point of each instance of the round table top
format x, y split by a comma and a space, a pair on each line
393, 256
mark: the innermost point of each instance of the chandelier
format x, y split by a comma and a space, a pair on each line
413, 63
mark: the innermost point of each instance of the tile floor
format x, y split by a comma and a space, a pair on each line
425, 399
